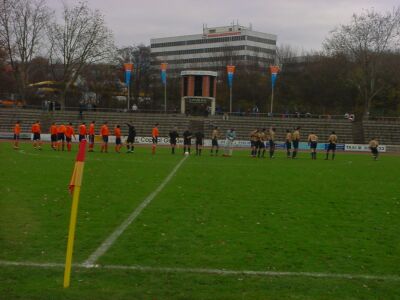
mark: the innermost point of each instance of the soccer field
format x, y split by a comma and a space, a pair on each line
200, 227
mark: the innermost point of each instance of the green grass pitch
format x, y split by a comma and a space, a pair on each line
238, 213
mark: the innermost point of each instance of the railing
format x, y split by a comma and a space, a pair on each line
224, 115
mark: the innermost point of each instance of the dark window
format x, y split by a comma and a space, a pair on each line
198, 86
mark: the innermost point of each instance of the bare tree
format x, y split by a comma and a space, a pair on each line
22, 30
364, 41
80, 40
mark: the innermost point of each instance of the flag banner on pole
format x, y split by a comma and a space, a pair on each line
164, 73
230, 70
75, 188
128, 67
274, 73
76, 179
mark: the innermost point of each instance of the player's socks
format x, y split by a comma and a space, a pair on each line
216, 152
333, 156
153, 149
184, 150
199, 151
327, 156
69, 147
173, 150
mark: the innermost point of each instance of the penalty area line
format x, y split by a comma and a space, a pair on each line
109, 241
223, 272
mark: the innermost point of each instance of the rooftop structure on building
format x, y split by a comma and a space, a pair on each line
215, 48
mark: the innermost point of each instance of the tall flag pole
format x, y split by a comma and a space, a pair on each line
75, 189
164, 81
230, 70
274, 73
128, 67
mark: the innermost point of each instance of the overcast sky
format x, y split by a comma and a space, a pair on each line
303, 24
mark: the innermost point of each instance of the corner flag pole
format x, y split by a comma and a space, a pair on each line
75, 189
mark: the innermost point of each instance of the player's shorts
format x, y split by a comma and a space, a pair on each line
36, 136
105, 138
60, 136
199, 142
82, 137
374, 150
187, 142
118, 141
214, 142
313, 145
130, 139
295, 144
154, 140
332, 146
68, 139
16, 137
260, 144
91, 138
253, 144
271, 144
288, 145
53, 138
172, 141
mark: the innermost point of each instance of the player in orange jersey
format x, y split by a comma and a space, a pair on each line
154, 136
69, 133
53, 135
82, 131
91, 136
17, 132
61, 136
104, 132
117, 133
36, 130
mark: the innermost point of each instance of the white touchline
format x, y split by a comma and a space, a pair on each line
224, 272
121, 228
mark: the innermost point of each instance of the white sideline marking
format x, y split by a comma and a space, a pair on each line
206, 271
113, 236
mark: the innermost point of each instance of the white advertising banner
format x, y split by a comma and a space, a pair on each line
362, 148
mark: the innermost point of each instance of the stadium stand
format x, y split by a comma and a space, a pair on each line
387, 133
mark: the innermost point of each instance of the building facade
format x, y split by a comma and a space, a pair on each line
214, 49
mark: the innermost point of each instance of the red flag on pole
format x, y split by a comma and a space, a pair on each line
76, 179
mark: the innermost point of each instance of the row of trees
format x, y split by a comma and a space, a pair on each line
357, 70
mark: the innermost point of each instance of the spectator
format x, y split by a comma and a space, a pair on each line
134, 108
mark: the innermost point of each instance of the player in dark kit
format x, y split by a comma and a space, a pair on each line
332, 145
187, 141
199, 142
288, 142
173, 136
131, 138
295, 142
214, 141
373, 145
313, 141
253, 142
261, 143
272, 142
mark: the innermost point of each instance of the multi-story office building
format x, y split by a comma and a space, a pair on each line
215, 48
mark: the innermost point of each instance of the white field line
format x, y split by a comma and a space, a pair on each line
109, 241
223, 272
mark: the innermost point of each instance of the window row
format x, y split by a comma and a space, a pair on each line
201, 41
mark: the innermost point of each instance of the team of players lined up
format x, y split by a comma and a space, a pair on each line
61, 136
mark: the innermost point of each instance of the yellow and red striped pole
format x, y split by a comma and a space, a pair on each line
75, 188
